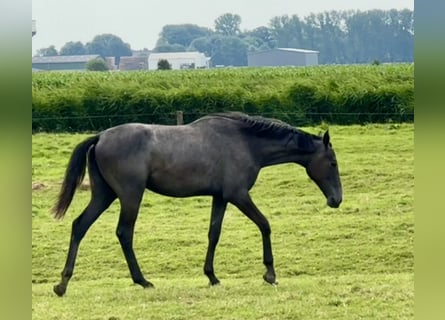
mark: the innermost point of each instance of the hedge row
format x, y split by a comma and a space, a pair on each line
93, 101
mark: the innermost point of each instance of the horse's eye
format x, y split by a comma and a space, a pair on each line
333, 164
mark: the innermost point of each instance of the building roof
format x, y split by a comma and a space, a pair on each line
298, 50
175, 55
65, 59
285, 49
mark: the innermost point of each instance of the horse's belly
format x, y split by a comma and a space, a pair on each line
175, 185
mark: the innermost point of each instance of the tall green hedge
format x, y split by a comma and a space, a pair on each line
90, 101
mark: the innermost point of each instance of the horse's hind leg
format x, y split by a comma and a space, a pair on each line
102, 197
130, 204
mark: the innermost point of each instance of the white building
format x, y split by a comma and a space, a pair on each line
283, 57
179, 60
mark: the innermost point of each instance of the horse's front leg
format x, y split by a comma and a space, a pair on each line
218, 209
246, 205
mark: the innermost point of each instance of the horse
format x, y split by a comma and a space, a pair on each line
218, 155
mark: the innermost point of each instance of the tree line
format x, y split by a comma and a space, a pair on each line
341, 37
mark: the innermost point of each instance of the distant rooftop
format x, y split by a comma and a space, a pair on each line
298, 50
174, 55
285, 49
65, 59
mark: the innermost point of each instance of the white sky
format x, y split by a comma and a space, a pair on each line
139, 22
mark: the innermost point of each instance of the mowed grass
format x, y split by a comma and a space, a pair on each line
355, 262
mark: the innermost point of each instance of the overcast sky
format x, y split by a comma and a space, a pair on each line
139, 22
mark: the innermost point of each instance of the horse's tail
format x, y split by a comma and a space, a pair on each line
75, 172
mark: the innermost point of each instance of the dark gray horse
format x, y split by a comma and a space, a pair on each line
218, 155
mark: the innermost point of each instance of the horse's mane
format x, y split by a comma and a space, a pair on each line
261, 126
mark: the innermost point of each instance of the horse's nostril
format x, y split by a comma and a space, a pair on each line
333, 203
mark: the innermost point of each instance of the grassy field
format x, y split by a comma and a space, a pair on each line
355, 262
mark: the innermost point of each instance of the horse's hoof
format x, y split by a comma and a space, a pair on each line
214, 283
59, 290
147, 285
270, 279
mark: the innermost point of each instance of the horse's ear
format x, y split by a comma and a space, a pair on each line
326, 139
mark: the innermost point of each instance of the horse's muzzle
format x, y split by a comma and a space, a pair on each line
334, 203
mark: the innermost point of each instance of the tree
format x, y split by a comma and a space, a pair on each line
109, 45
170, 48
263, 33
97, 64
163, 64
223, 50
255, 43
228, 51
182, 34
326, 33
366, 36
348, 36
228, 24
287, 31
47, 52
203, 45
73, 48
402, 25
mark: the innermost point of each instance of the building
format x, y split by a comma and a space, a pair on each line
63, 63
283, 57
133, 63
179, 60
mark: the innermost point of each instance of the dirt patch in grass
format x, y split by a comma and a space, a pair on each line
38, 186
85, 185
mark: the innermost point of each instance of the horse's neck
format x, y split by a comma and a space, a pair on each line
273, 152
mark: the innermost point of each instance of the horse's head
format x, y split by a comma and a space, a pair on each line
323, 170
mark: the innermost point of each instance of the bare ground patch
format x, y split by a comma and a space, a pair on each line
38, 186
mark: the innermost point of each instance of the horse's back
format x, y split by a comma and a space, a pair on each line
173, 160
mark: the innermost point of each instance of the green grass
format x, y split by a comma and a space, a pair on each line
355, 262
